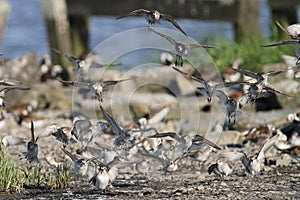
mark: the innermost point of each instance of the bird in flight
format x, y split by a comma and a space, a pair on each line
97, 89
154, 17
293, 31
180, 48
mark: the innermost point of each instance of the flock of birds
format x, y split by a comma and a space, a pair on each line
105, 147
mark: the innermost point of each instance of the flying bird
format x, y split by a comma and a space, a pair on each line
10, 140
96, 89
293, 31
253, 165
209, 87
82, 65
123, 136
231, 105
154, 17
181, 50
5, 90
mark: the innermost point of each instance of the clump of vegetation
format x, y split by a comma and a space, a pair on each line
252, 52
61, 178
11, 177
14, 177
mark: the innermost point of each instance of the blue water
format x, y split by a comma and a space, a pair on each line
26, 31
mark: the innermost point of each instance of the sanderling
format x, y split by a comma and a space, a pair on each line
231, 105
10, 140
97, 89
32, 148
5, 90
10, 82
293, 31
220, 168
123, 136
209, 87
253, 165
82, 64
260, 77
180, 48
153, 17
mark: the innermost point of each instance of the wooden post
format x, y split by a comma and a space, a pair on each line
55, 12
4, 11
248, 19
79, 33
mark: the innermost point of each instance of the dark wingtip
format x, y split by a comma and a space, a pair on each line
211, 168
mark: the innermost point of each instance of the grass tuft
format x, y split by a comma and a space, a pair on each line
15, 176
250, 49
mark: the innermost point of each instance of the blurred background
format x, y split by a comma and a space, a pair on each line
26, 29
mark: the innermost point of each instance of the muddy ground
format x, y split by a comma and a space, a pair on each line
190, 182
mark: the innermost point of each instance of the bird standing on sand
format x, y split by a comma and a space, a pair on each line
220, 168
154, 17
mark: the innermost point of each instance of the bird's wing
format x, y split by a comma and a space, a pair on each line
111, 121
199, 138
173, 21
284, 42
72, 59
138, 12
222, 96
190, 76
97, 65
266, 146
69, 154
109, 83
32, 132
245, 72
192, 46
170, 39
5, 90
10, 82
10, 140
167, 134
270, 88
274, 73
49, 130
232, 156
229, 84
76, 84
282, 28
